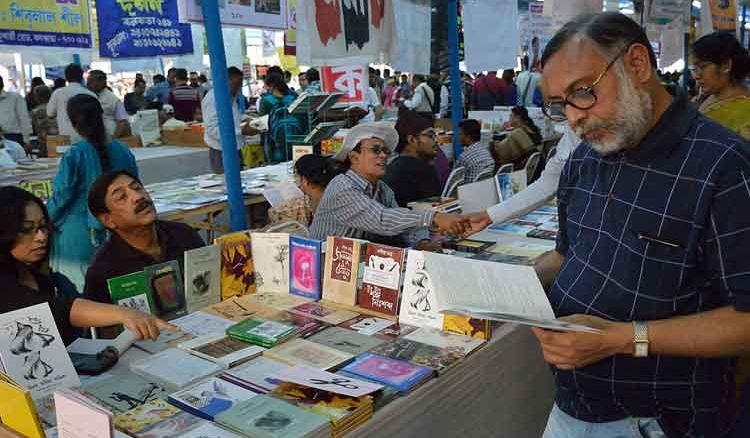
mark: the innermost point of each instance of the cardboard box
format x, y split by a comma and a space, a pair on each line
53, 141
183, 137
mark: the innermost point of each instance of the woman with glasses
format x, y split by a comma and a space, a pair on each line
523, 139
25, 241
721, 66
312, 173
95, 154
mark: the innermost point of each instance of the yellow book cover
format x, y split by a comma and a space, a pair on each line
467, 326
17, 411
145, 416
341, 270
237, 277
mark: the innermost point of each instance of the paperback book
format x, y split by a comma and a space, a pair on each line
237, 271
132, 291
345, 340
267, 417
202, 277
439, 359
201, 323
304, 256
337, 408
258, 374
165, 283
145, 416
329, 382
124, 393
305, 325
222, 349
17, 410
175, 369
367, 325
418, 306
324, 313
165, 340
442, 339
261, 332
380, 398
401, 375
173, 427
211, 397
238, 309
304, 352
272, 270
341, 270
382, 278
277, 301
78, 416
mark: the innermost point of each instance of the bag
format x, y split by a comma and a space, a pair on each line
281, 125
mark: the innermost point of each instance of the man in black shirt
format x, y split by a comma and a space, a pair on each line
411, 175
138, 239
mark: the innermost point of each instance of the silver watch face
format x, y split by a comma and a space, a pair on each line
641, 349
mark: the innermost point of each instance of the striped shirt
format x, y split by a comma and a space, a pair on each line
185, 100
476, 159
653, 233
353, 207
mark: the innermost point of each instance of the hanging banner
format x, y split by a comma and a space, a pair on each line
51, 23
491, 34
290, 36
412, 39
133, 28
352, 81
262, 14
663, 12
724, 15
562, 11
540, 32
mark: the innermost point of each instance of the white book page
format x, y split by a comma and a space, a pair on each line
201, 323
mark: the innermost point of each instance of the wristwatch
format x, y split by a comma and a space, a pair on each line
640, 339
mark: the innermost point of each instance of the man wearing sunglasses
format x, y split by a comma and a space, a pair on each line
653, 245
360, 205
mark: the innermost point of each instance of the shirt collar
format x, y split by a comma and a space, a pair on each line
668, 132
125, 250
360, 182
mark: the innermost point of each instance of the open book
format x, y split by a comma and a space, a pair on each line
490, 290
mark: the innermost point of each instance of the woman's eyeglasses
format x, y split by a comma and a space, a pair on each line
32, 230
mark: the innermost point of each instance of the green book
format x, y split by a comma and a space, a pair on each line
132, 291
266, 417
261, 332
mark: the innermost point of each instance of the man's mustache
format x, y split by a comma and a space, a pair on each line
143, 205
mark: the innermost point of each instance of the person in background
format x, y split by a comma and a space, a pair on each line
281, 124
375, 81
489, 92
171, 77
389, 94
159, 91
476, 157
524, 139
423, 99
288, 80
137, 238
412, 175
527, 86
312, 76
115, 116
26, 233
372, 105
10, 152
193, 79
30, 102
302, 78
136, 100
312, 174
43, 125
205, 85
358, 204
58, 83
184, 98
168, 120
721, 67
58, 104
511, 91
14, 117
211, 122
79, 167
404, 88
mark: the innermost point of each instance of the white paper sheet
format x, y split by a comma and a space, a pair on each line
279, 193
478, 196
201, 323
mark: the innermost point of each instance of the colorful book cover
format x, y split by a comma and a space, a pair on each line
341, 270
259, 373
165, 283
305, 325
335, 407
382, 278
17, 410
268, 417
346, 340
512, 227
468, 326
398, 374
395, 331
261, 331
202, 277
439, 359
209, 398
272, 270
222, 349
237, 270
418, 301
33, 353
379, 399
304, 352
323, 313
123, 393
132, 291
145, 416
304, 257
173, 427
540, 233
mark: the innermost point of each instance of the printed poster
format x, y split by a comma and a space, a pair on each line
261, 14
724, 15
352, 81
50, 23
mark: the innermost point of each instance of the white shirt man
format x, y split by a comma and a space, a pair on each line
58, 106
371, 105
211, 122
113, 110
14, 116
422, 100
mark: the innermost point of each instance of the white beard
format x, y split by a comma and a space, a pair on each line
630, 123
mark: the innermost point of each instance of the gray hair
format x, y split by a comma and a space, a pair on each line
611, 31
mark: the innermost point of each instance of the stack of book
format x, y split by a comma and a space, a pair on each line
400, 375
417, 353
345, 413
303, 352
436, 203
267, 417
175, 369
261, 332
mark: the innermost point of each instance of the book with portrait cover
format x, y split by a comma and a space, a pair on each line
209, 398
267, 417
237, 270
341, 270
382, 278
272, 268
131, 290
304, 259
202, 277
165, 282
399, 374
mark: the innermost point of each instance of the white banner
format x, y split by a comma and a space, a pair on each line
490, 34
410, 50
563, 11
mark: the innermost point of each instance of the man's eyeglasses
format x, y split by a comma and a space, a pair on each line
429, 134
583, 98
378, 149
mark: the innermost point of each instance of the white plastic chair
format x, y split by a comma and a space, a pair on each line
486, 173
552, 152
531, 165
505, 168
455, 179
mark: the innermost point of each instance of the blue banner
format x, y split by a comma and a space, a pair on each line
139, 28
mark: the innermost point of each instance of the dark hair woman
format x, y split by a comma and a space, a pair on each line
721, 66
523, 139
312, 174
26, 234
80, 232
281, 124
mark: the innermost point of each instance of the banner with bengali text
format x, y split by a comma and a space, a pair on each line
50, 23
141, 28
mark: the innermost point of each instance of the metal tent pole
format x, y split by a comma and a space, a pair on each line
456, 97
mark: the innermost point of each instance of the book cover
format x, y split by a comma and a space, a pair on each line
165, 283
17, 410
323, 313
468, 326
175, 369
305, 325
330, 382
221, 349
165, 340
78, 416
268, 417
238, 309
395, 331
341, 270
439, 359
335, 407
277, 301
123, 393
442, 339
540, 233
259, 373
304, 258
33, 353
382, 278
173, 427
418, 306
304, 352
145, 416
272, 270
367, 325
209, 398
300, 151
261, 332
209, 430
132, 291
379, 399
201, 323
398, 374
202, 277
237, 270
346, 340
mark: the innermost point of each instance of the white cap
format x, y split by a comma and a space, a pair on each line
167, 108
381, 130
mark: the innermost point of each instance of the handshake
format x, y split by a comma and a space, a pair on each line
462, 225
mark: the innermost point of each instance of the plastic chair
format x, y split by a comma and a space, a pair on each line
531, 165
552, 152
486, 173
505, 168
291, 227
455, 179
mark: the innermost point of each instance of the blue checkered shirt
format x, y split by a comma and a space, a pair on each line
652, 233
476, 159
